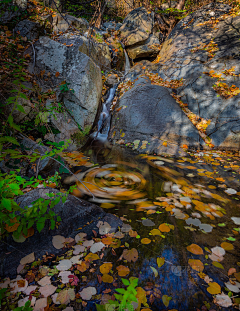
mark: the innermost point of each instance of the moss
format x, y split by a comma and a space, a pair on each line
81, 137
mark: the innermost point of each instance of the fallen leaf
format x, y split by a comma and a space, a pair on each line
154, 271
166, 299
88, 292
123, 271
145, 241
227, 246
58, 241
214, 288
106, 267
223, 300
45, 281
196, 265
47, 290
96, 247
66, 295
106, 278
64, 264
65, 276
164, 228
160, 261
27, 259
40, 304
195, 249
130, 255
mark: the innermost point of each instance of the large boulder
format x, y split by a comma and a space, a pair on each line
137, 26
54, 64
98, 51
28, 29
74, 213
148, 117
149, 48
63, 22
199, 49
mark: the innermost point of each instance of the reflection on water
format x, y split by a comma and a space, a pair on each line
183, 211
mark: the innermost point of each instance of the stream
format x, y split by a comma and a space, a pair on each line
180, 215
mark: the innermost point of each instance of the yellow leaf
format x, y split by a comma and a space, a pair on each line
214, 288
106, 278
160, 261
91, 257
155, 232
195, 249
106, 267
165, 144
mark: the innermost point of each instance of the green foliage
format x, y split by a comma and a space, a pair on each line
26, 307
65, 87
80, 138
124, 298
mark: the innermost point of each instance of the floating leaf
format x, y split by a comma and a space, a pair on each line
154, 271
106, 267
195, 249
214, 288
227, 246
166, 299
130, 255
196, 265
223, 300
155, 232
64, 264
217, 264
88, 292
40, 304
236, 220
106, 278
27, 259
231, 239
58, 241
164, 228
45, 281
66, 295
91, 257
96, 247
146, 241
47, 290
160, 261
65, 276
123, 271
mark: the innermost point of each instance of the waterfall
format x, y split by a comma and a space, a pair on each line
127, 63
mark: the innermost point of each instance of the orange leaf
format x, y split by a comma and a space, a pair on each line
196, 265
130, 254
14, 226
165, 143
164, 228
195, 249
227, 246
146, 241
57, 74
123, 271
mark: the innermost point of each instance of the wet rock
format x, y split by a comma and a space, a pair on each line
63, 22
74, 213
149, 117
181, 57
137, 26
97, 51
148, 48
28, 29
57, 63
109, 26
118, 57
111, 80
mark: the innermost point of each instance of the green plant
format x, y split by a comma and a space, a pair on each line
65, 87
26, 307
98, 38
81, 136
124, 299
